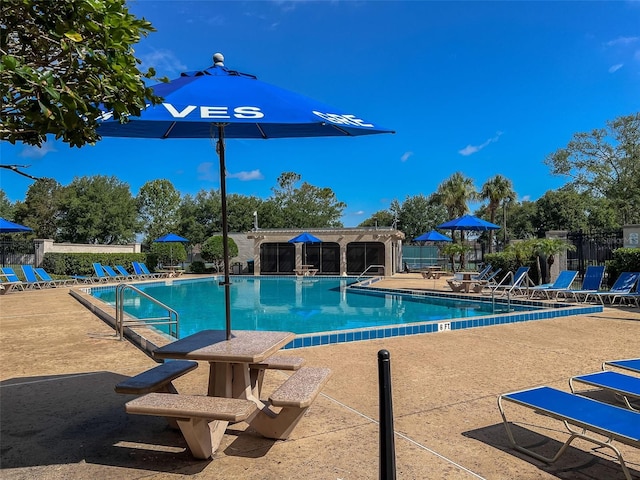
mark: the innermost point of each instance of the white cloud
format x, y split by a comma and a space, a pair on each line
622, 41
526, 198
405, 156
206, 172
246, 176
359, 213
616, 67
37, 152
164, 61
471, 149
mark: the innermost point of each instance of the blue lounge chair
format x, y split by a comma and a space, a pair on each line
624, 386
42, 273
101, 276
623, 284
10, 281
32, 279
111, 273
143, 272
591, 283
123, 271
563, 282
513, 282
590, 416
482, 274
631, 364
629, 298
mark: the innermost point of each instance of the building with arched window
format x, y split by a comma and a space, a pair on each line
341, 251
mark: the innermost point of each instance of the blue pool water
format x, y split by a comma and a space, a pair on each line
299, 305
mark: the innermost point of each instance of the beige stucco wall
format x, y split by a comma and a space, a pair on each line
46, 245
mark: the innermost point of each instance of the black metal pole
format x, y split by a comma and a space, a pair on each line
387, 446
225, 234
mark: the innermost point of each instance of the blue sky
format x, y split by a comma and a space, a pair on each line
483, 88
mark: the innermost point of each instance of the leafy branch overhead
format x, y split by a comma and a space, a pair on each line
66, 63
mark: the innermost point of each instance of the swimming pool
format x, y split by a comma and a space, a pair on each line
320, 310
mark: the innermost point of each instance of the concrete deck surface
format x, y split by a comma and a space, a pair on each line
60, 417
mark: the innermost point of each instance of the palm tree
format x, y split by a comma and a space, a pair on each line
549, 247
496, 190
454, 193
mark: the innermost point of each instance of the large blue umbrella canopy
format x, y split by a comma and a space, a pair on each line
468, 222
171, 237
219, 102
432, 236
305, 238
7, 226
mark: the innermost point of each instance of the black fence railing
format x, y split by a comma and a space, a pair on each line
592, 248
17, 252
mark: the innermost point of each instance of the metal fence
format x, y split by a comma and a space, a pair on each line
17, 252
592, 248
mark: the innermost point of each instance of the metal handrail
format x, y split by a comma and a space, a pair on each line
172, 319
367, 269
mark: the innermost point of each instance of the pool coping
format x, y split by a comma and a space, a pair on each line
147, 339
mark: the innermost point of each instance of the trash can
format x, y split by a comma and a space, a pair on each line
250, 267
236, 268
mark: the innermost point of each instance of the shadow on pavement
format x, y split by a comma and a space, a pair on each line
67, 419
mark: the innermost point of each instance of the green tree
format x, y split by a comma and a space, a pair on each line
7, 209
213, 251
605, 161
41, 208
158, 203
97, 209
169, 253
306, 206
240, 210
382, 218
418, 215
497, 190
63, 64
521, 220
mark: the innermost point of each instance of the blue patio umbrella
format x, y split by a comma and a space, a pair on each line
218, 102
7, 226
468, 222
171, 238
433, 236
305, 238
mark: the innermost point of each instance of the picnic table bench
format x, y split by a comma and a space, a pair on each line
295, 396
201, 419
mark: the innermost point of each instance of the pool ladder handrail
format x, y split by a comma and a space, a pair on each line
367, 269
172, 319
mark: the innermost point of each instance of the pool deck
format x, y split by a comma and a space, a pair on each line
61, 419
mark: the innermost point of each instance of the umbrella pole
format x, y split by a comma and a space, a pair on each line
225, 235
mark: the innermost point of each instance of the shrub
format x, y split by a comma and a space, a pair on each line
197, 267
624, 260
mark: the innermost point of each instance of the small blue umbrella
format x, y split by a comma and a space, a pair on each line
433, 236
305, 238
9, 227
218, 102
468, 222
171, 237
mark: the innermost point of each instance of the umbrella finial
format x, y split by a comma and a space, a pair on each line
218, 60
